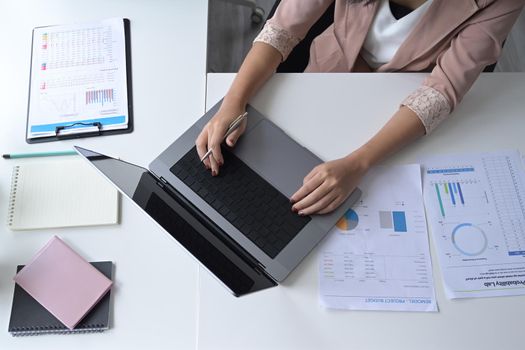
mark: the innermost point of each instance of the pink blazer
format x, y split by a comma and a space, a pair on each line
454, 41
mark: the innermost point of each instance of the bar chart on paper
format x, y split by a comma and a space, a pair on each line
476, 206
366, 221
105, 96
377, 255
79, 79
393, 221
489, 195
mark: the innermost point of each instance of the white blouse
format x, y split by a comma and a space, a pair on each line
387, 33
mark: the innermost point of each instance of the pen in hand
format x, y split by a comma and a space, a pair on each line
231, 128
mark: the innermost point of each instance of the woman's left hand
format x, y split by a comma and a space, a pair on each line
328, 185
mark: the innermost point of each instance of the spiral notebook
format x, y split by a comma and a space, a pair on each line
61, 193
28, 317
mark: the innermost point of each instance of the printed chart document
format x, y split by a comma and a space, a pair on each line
377, 256
476, 208
78, 79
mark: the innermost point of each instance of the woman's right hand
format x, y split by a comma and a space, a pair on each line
213, 133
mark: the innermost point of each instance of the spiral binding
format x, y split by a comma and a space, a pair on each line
12, 196
28, 331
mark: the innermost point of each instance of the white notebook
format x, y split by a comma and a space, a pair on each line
60, 194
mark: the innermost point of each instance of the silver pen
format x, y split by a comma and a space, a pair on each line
233, 126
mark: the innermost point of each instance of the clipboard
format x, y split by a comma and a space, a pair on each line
94, 125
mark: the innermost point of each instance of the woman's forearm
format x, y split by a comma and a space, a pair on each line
402, 129
330, 183
258, 66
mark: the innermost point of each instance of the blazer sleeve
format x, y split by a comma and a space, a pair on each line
477, 45
290, 24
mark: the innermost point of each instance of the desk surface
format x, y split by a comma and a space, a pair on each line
337, 113
156, 301
154, 298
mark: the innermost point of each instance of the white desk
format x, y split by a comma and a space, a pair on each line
337, 113
155, 293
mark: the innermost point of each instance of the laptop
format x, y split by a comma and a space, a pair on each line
239, 225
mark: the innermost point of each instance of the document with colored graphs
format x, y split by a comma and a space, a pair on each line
79, 80
377, 256
476, 209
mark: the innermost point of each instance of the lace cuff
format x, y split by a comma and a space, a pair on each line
277, 37
430, 106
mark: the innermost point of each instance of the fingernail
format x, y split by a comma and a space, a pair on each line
301, 213
292, 201
213, 173
294, 209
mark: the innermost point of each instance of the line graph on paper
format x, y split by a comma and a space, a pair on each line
61, 104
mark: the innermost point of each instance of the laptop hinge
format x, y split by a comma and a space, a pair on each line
262, 270
163, 181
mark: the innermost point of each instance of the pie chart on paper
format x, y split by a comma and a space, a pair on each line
349, 221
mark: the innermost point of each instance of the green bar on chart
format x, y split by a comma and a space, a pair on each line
440, 201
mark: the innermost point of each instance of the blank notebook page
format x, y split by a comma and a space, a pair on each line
60, 194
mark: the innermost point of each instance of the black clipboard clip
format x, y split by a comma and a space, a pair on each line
98, 132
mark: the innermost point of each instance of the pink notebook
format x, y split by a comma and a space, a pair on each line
63, 282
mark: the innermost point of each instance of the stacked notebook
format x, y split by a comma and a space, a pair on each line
60, 292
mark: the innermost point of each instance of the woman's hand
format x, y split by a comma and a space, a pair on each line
213, 133
328, 185
258, 66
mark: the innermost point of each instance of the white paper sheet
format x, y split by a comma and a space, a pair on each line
377, 257
78, 74
476, 208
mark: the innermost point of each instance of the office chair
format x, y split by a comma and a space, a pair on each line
257, 12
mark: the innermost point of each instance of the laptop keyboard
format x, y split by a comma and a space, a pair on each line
245, 199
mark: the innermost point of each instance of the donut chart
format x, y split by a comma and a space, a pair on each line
469, 239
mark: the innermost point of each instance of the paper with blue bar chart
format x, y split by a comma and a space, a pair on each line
377, 256
78, 79
476, 209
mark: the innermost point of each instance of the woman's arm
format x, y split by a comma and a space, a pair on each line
258, 66
476, 45
330, 183
288, 26
402, 129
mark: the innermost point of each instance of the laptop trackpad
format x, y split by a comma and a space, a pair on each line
276, 157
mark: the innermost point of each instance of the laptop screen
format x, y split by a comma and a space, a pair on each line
183, 223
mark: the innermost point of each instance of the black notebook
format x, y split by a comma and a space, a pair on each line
28, 317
